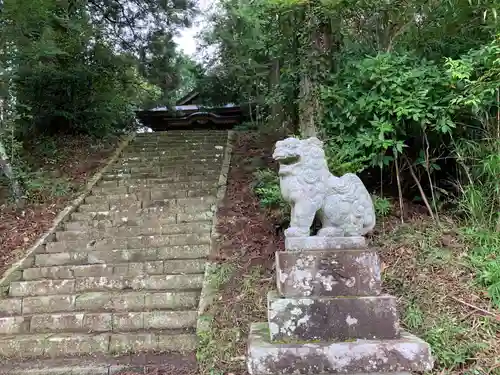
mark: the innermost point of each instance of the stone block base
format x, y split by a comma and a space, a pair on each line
407, 354
332, 318
328, 273
324, 243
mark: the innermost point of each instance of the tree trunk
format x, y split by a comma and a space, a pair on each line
308, 107
276, 107
6, 168
323, 39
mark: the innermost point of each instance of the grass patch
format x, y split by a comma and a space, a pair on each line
245, 255
240, 301
438, 274
445, 278
484, 260
451, 342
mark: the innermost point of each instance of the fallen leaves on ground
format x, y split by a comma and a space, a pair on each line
75, 159
248, 240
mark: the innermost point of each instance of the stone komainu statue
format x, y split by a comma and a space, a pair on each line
342, 204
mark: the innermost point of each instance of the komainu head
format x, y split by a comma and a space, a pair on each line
293, 153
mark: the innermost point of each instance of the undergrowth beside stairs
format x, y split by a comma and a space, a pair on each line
245, 258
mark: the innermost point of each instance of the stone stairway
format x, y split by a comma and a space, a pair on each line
124, 273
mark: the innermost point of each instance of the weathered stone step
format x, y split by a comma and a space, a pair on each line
179, 141
182, 139
149, 222
202, 150
84, 322
130, 231
147, 192
63, 271
68, 344
113, 187
124, 210
103, 364
169, 175
157, 182
165, 159
161, 170
121, 301
176, 140
216, 150
86, 224
174, 147
405, 355
160, 159
181, 135
128, 179
90, 256
148, 195
128, 203
172, 167
140, 163
186, 214
104, 284
136, 242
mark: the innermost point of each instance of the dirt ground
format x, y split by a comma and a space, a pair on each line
59, 172
423, 266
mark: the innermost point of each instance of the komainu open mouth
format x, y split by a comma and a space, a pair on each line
287, 160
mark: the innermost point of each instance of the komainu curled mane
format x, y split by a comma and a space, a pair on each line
342, 204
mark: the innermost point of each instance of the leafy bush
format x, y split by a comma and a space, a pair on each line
82, 98
478, 73
484, 259
383, 206
378, 106
267, 188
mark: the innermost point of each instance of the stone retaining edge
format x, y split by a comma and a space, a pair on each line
77, 370
208, 292
12, 274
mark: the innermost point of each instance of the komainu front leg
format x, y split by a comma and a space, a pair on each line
328, 227
301, 219
331, 216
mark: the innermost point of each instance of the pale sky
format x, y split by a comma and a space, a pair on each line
187, 40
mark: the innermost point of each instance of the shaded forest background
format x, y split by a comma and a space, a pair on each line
81, 68
404, 93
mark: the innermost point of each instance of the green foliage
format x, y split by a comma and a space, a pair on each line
81, 98
267, 188
413, 317
409, 88
478, 74
60, 82
448, 346
81, 66
247, 126
484, 259
190, 73
220, 275
84, 67
383, 206
375, 106
480, 187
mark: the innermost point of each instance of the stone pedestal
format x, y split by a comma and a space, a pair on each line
329, 316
